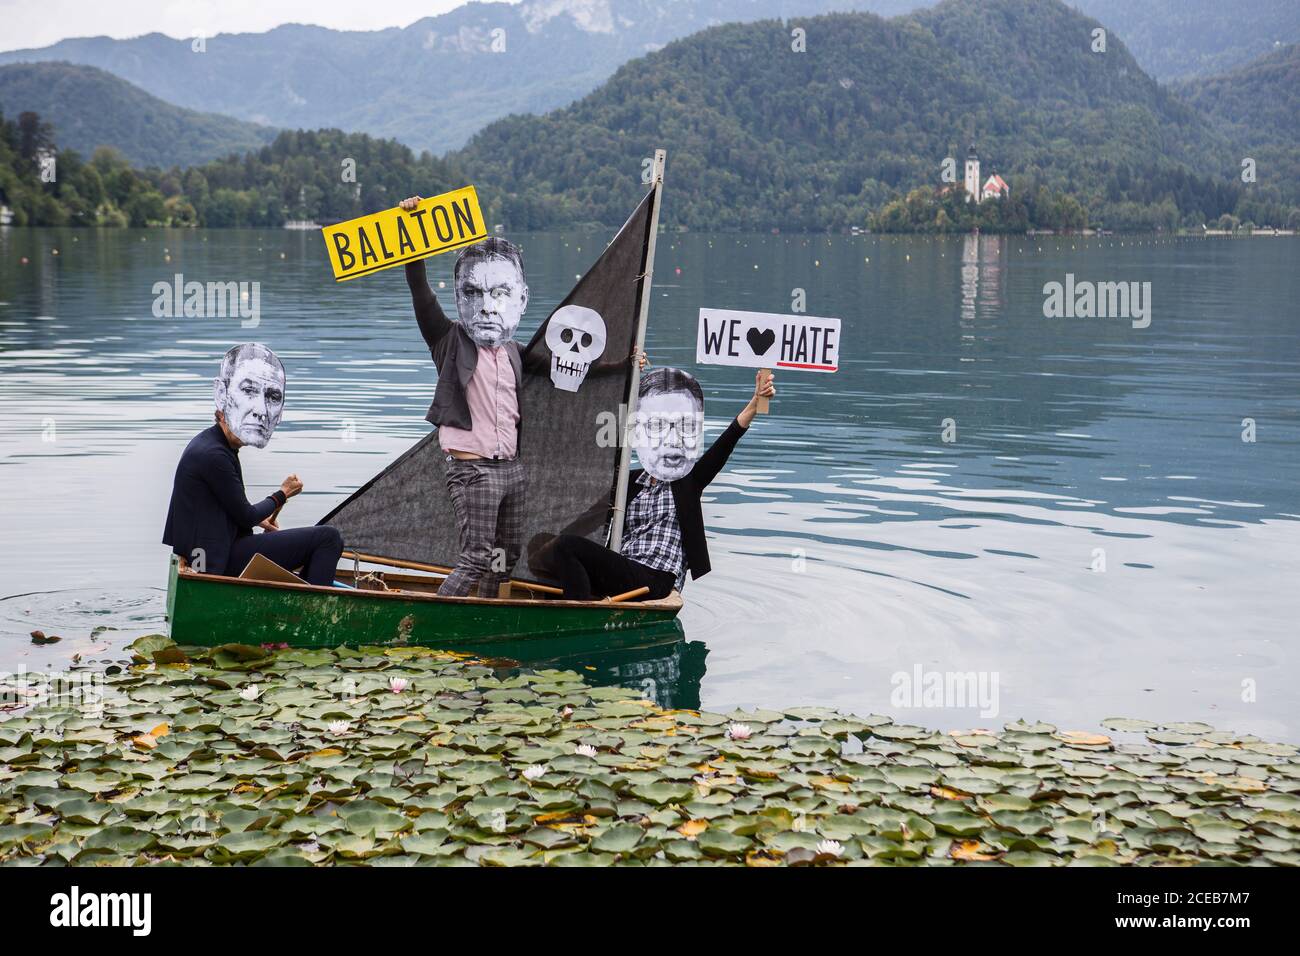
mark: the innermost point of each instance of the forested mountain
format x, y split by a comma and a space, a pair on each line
815, 124
763, 136
1186, 38
323, 174
301, 176
1258, 108
436, 82
105, 191
431, 84
88, 108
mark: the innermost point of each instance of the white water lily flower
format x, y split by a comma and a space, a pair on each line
339, 727
567, 712
533, 772
251, 692
830, 848
739, 731
398, 684
585, 750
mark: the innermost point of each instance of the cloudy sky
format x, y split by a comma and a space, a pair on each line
36, 23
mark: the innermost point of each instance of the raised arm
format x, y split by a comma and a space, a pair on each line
433, 322
711, 462
764, 387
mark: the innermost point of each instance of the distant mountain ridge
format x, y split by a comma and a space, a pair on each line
436, 82
850, 126
1180, 39
1257, 107
761, 136
430, 85
89, 107
1255, 102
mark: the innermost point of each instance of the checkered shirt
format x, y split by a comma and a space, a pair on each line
651, 534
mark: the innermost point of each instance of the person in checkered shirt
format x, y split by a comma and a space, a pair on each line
663, 532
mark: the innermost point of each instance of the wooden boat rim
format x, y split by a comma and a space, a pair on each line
673, 602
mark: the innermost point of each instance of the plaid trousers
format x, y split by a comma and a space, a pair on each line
488, 496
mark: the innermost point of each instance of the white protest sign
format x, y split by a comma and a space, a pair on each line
768, 340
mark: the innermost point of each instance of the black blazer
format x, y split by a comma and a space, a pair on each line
686, 496
209, 509
454, 353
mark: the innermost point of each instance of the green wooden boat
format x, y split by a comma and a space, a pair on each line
265, 606
210, 609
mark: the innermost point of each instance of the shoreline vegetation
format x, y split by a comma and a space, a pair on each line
294, 183
404, 756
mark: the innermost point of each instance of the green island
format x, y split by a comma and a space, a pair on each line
406, 756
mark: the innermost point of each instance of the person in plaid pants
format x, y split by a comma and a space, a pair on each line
488, 496
477, 405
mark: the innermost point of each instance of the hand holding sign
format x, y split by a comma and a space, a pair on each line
763, 340
415, 229
763, 389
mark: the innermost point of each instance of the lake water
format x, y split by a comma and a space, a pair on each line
1098, 540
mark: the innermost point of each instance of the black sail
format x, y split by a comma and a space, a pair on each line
568, 441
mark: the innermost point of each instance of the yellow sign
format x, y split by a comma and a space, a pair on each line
393, 237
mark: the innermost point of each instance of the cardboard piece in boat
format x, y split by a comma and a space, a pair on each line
393, 237
262, 568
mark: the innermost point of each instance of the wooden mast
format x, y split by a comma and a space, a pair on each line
625, 447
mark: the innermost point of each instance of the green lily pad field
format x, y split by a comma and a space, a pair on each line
411, 757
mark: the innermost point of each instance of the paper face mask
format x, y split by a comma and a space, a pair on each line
491, 294
576, 337
669, 423
249, 392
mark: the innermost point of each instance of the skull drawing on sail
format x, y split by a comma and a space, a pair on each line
576, 337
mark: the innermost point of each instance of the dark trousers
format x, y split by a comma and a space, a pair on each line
488, 496
585, 570
316, 550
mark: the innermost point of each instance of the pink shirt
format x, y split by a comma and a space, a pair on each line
493, 409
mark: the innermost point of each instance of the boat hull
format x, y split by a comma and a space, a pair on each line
209, 610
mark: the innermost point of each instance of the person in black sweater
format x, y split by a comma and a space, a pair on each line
663, 533
210, 520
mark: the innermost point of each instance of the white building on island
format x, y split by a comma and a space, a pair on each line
995, 187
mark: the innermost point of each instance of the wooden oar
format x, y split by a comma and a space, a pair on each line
629, 595
436, 569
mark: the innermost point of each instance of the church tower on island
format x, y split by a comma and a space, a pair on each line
994, 188
972, 174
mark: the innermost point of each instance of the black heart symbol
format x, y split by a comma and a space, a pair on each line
760, 342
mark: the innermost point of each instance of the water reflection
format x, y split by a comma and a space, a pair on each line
657, 662
982, 280
94, 627
849, 540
